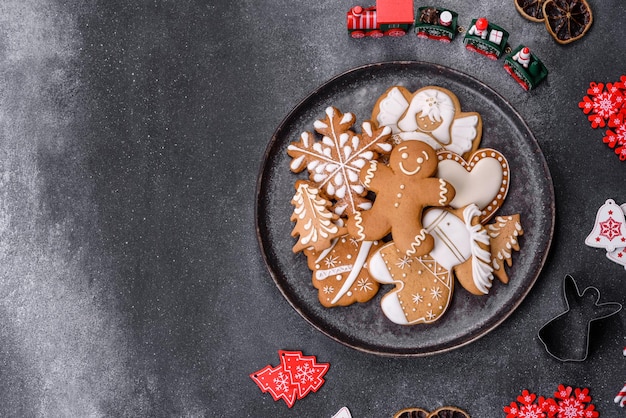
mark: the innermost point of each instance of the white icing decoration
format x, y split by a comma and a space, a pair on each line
358, 265
452, 240
443, 190
404, 156
391, 108
392, 308
482, 272
417, 242
378, 269
324, 274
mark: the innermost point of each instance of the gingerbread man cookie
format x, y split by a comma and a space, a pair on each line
403, 189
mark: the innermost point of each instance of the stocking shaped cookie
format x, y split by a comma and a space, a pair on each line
403, 189
424, 285
339, 272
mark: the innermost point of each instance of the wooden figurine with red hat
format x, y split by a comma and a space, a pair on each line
525, 67
486, 38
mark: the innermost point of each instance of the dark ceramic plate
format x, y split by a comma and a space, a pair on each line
363, 326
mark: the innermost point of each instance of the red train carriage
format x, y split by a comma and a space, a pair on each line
387, 18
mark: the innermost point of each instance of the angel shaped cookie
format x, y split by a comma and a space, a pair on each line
430, 114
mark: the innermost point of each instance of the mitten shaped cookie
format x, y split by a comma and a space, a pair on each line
403, 189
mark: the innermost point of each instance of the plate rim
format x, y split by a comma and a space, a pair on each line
259, 188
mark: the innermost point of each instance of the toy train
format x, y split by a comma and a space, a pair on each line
396, 18
525, 67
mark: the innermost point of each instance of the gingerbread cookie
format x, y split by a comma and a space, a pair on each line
504, 236
463, 248
430, 114
423, 289
424, 285
339, 272
334, 162
483, 179
405, 202
315, 223
403, 189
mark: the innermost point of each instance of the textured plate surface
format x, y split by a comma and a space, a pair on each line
363, 326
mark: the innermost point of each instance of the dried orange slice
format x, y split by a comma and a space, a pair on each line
530, 9
567, 20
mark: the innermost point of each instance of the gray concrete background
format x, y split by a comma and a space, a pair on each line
131, 282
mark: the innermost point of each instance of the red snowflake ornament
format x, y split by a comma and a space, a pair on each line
576, 405
605, 105
601, 103
616, 139
549, 406
527, 409
567, 403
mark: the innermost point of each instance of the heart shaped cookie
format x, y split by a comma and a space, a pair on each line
445, 412
482, 180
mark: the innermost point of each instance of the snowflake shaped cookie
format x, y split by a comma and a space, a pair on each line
334, 162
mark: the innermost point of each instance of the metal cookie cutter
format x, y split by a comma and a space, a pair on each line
566, 337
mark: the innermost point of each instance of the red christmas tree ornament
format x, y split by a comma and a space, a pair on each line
295, 377
307, 374
277, 382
